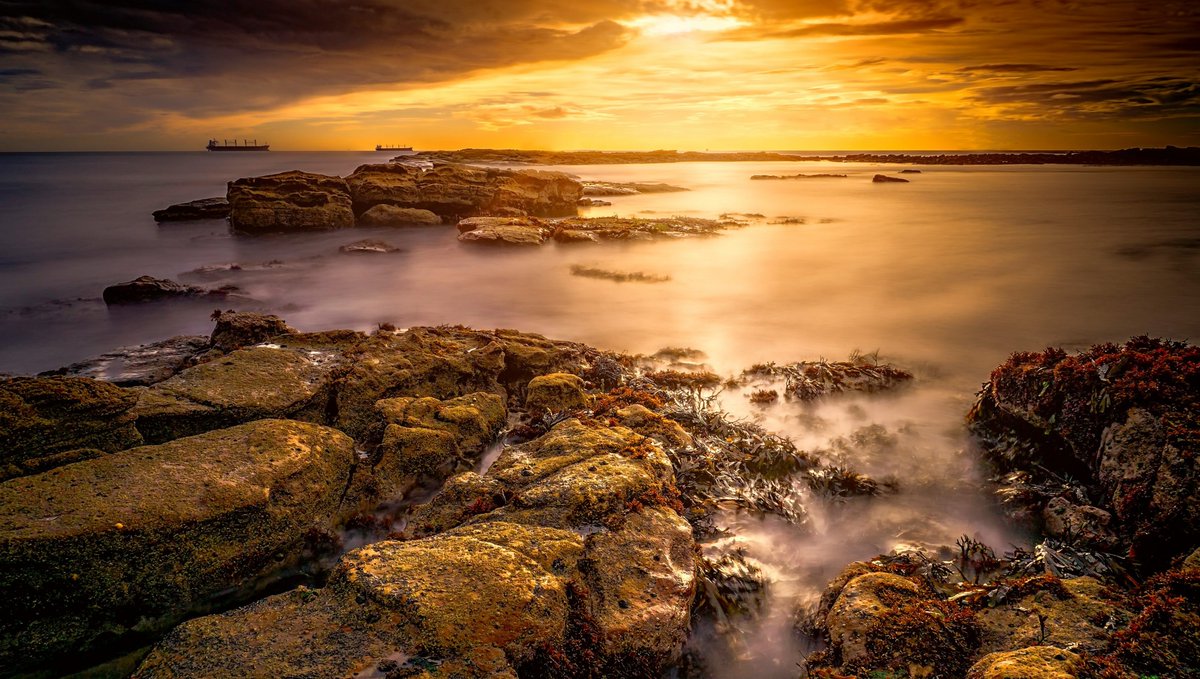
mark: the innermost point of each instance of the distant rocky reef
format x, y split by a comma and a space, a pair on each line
1170, 155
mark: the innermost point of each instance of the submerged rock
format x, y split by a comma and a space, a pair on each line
532, 231
46, 422
390, 215
502, 231
454, 191
627, 188
368, 246
205, 208
592, 202
106, 549
148, 289
884, 179
289, 201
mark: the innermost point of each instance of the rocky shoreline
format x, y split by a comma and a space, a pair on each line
265, 456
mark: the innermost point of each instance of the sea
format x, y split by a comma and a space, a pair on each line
945, 275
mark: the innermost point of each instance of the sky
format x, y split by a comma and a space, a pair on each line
600, 74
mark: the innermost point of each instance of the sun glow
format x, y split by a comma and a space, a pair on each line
673, 24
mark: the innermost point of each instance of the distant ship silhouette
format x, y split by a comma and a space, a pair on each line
384, 147
235, 146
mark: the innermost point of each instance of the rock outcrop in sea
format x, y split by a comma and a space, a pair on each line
1096, 451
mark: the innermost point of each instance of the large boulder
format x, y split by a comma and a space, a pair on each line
454, 191
49, 421
469, 603
97, 553
289, 201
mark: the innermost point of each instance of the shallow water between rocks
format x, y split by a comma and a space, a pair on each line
945, 275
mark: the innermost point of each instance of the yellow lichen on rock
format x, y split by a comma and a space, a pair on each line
1035, 662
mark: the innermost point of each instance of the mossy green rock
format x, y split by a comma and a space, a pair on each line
255, 383
43, 419
105, 549
430, 437
556, 393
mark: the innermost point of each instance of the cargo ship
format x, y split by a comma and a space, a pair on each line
384, 147
235, 146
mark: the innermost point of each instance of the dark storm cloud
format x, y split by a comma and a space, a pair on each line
236, 55
1149, 98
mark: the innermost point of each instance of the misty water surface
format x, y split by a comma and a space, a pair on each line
945, 275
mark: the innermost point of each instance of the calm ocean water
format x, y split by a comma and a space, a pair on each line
945, 275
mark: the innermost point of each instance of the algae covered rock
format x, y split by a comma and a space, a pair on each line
1045, 610
248, 384
472, 602
1034, 662
556, 393
637, 577
289, 201
423, 435
42, 419
126, 544
1120, 420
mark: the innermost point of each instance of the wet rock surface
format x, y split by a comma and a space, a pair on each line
288, 202
138, 366
205, 208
